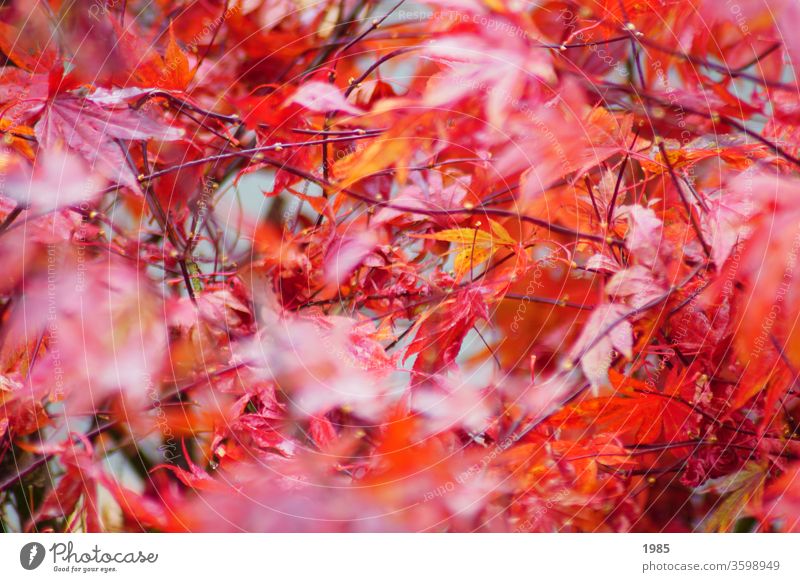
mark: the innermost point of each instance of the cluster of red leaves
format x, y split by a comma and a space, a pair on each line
364, 266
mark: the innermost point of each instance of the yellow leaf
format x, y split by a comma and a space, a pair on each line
501, 233
468, 257
464, 236
474, 246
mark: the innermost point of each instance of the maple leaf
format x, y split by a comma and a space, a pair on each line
390, 148
424, 194
492, 65
346, 254
322, 97
606, 330
24, 93
77, 489
177, 72
442, 329
634, 414
31, 52
473, 245
638, 283
195, 477
734, 150
602, 263
739, 489
323, 361
645, 238
108, 354
58, 179
93, 130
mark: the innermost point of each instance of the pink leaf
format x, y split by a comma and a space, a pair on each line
346, 254
323, 97
602, 264
603, 333
92, 131
58, 179
645, 237
637, 283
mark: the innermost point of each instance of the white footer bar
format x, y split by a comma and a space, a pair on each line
400, 557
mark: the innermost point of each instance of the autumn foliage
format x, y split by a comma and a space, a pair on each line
348, 265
